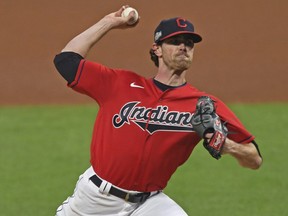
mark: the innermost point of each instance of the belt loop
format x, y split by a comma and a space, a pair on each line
127, 197
105, 187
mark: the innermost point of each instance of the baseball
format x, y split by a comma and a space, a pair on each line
126, 13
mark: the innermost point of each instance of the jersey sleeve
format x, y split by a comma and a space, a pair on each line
95, 80
67, 64
236, 130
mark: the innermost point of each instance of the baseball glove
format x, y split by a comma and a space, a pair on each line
205, 120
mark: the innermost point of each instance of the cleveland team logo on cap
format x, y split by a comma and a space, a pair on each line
171, 27
181, 22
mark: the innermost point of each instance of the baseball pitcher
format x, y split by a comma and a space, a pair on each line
146, 127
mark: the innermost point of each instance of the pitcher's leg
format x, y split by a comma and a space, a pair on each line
87, 200
160, 205
68, 205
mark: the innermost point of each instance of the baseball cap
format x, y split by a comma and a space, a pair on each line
175, 26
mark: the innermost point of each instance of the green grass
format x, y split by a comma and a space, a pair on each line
44, 149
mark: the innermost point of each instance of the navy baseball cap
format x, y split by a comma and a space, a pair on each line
175, 26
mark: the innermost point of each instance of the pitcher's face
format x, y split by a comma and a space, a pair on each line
177, 52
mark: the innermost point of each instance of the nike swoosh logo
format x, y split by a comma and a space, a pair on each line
133, 85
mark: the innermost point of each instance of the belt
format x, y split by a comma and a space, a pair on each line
133, 198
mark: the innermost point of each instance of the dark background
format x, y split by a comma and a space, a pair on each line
243, 56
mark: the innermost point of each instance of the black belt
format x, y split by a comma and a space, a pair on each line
134, 198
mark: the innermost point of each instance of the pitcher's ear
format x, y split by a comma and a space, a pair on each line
157, 49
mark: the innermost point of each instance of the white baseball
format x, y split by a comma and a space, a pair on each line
126, 13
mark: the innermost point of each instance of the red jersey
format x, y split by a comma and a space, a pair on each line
143, 134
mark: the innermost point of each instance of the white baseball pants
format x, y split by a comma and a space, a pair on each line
89, 200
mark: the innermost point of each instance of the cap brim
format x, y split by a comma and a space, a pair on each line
195, 37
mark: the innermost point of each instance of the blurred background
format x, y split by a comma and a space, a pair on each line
243, 56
